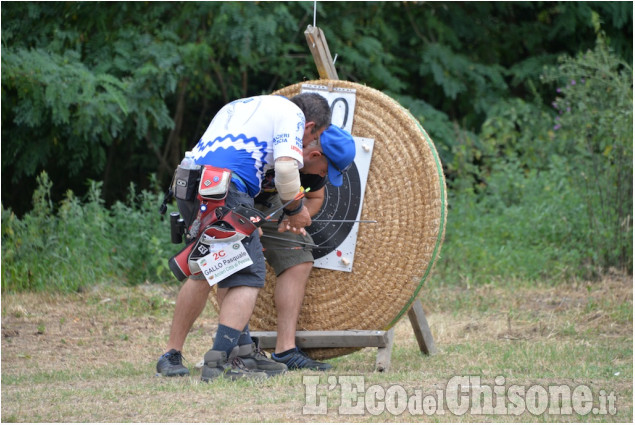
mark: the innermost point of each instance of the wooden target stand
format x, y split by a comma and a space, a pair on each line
383, 340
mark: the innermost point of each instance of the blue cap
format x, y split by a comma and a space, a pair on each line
339, 148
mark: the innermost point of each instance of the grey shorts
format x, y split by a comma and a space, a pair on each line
283, 254
254, 275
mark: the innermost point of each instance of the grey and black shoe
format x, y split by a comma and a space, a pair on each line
255, 358
171, 364
217, 364
299, 360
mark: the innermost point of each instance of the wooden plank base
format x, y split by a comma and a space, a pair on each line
326, 339
383, 340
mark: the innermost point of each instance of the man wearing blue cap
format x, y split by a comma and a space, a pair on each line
292, 267
250, 137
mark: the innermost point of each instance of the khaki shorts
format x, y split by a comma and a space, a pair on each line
282, 254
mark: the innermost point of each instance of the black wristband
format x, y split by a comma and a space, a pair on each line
294, 211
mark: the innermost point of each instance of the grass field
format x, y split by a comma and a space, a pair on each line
90, 357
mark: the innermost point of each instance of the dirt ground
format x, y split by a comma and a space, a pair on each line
110, 329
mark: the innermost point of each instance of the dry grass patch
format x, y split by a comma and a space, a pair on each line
90, 357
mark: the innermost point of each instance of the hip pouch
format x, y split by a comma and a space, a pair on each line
185, 182
203, 183
214, 183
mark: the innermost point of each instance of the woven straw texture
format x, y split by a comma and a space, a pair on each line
406, 194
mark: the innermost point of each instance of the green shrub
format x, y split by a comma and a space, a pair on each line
594, 127
525, 227
83, 243
548, 195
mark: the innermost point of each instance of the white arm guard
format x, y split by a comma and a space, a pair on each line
287, 178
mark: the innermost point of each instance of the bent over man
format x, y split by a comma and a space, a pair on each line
249, 137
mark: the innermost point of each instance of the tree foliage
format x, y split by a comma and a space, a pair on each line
116, 91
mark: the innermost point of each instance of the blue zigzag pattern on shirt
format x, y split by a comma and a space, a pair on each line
245, 156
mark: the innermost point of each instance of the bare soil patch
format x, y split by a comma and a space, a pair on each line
90, 357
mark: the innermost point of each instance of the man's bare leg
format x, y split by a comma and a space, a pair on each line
253, 359
288, 296
237, 305
189, 305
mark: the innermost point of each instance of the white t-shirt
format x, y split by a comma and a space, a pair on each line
248, 135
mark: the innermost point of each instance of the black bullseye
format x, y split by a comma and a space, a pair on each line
340, 203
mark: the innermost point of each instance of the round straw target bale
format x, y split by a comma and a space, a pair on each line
406, 194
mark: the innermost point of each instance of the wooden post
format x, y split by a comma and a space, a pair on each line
321, 54
421, 328
382, 363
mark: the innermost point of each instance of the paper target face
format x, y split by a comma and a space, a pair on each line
337, 239
340, 203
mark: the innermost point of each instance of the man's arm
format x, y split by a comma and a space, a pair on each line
288, 186
313, 201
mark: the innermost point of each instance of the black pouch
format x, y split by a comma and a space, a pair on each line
185, 188
185, 183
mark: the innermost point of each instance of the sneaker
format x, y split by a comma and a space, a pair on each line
171, 364
217, 364
299, 360
255, 358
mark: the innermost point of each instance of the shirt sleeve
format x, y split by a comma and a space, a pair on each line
288, 133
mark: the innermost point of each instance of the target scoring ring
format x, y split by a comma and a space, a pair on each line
340, 203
